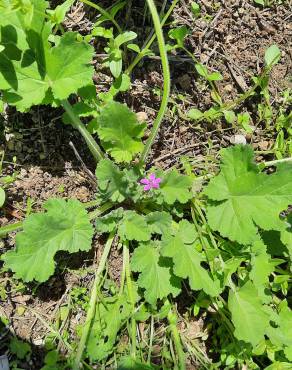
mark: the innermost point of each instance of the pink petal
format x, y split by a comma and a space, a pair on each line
145, 182
155, 185
147, 187
158, 180
152, 176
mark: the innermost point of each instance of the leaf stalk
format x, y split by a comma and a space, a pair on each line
78, 125
172, 319
126, 256
92, 304
166, 80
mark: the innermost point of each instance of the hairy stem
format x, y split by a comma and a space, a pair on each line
277, 161
172, 319
100, 210
92, 304
166, 80
9, 228
78, 125
131, 296
103, 12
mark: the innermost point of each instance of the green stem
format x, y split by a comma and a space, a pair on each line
131, 296
100, 210
103, 12
247, 94
277, 161
92, 304
142, 53
78, 125
172, 319
9, 228
166, 80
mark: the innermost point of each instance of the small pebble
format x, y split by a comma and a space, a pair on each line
238, 139
142, 117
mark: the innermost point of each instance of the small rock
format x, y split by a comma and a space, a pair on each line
142, 117
238, 139
228, 88
264, 145
9, 137
38, 342
21, 298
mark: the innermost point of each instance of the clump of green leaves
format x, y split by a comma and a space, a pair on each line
242, 202
213, 241
33, 69
19, 348
120, 132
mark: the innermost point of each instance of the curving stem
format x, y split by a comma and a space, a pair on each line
78, 125
92, 304
166, 80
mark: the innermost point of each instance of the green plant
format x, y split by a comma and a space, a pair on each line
177, 233
5, 181
283, 143
268, 2
195, 8
226, 110
19, 348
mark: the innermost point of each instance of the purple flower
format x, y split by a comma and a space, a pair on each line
151, 183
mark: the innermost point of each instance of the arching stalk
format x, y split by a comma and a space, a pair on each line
92, 304
78, 125
166, 80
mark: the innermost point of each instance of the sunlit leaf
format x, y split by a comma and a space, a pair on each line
156, 275
120, 131
242, 199
64, 227
248, 314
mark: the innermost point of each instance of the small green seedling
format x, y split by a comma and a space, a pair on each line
196, 9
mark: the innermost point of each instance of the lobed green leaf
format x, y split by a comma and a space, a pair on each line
64, 227
248, 314
176, 187
120, 131
156, 275
187, 260
241, 199
32, 71
110, 315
